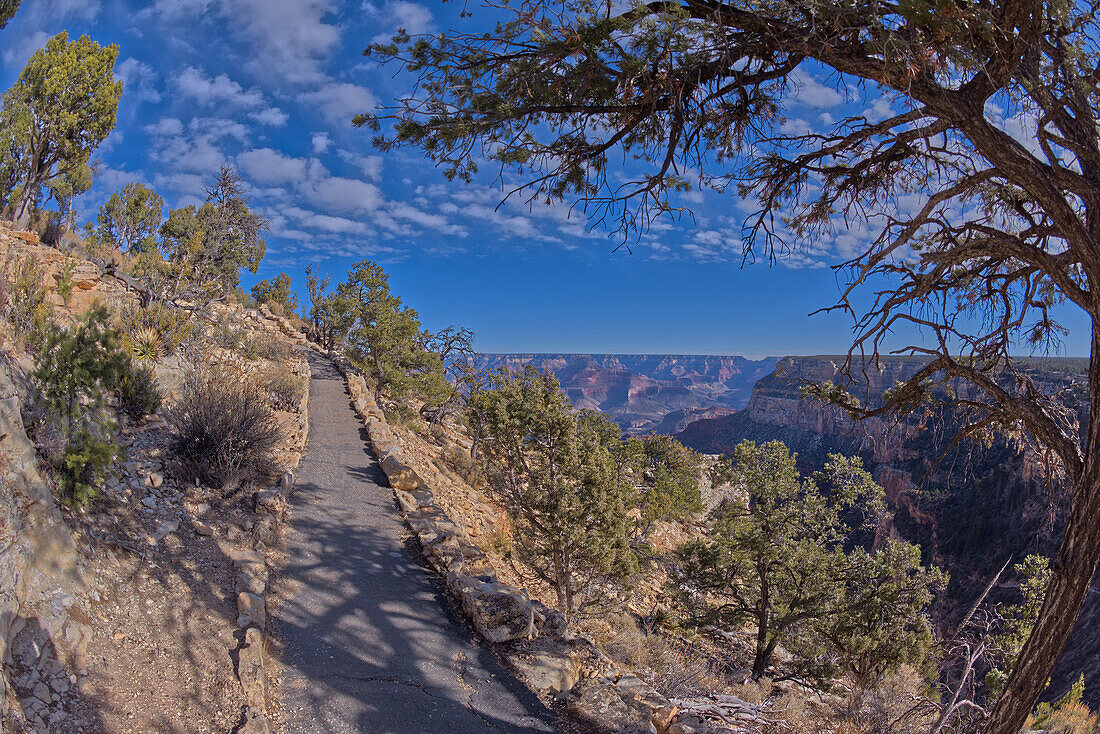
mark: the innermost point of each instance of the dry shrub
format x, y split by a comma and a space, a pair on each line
755, 691
25, 302
463, 465
672, 671
1071, 718
894, 706
226, 335
283, 387
270, 347
224, 432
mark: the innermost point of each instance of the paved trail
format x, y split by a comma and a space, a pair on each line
369, 643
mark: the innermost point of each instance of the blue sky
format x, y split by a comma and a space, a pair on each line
271, 86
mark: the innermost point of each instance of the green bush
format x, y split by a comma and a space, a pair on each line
224, 431
76, 369
85, 461
138, 393
65, 281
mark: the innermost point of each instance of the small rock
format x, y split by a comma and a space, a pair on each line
41, 692
156, 480
250, 610
165, 528
201, 528
150, 501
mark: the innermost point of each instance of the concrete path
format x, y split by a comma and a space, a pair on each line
369, 643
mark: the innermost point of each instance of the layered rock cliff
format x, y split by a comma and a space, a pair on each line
639, 391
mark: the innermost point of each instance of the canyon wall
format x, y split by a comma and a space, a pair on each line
641, 391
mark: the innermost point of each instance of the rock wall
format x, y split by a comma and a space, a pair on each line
39, 575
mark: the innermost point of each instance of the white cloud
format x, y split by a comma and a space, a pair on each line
340, 101
198, 150
58, 10
211, 91
414, 18
425, 219
270, 167
290, 38
17, 56
325, 222
321, 143
370, 165
139, 81
165, 126
344, 195
272, 117
880, 110
809, 92
177, 9
183, 183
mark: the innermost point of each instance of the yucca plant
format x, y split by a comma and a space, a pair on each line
145, 345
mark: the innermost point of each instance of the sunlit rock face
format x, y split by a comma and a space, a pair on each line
641, 391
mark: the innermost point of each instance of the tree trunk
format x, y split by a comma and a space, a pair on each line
763, 650
1071, 575
22, 217
1072, 571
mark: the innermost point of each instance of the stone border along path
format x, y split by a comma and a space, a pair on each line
368, 644
533, 638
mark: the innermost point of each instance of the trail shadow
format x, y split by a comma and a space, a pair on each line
370, 643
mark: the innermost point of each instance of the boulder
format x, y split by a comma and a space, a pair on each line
546, 667
598, 701
499, 612
251, 670
400, 474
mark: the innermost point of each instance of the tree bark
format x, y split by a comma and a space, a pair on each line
22, 216
1072, 572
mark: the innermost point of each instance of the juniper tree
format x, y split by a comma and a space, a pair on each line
775, 556
976, 232
7, 10
555, 472
61, 108
385, 337
276, 291
669, 478
130, 218
208, 246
